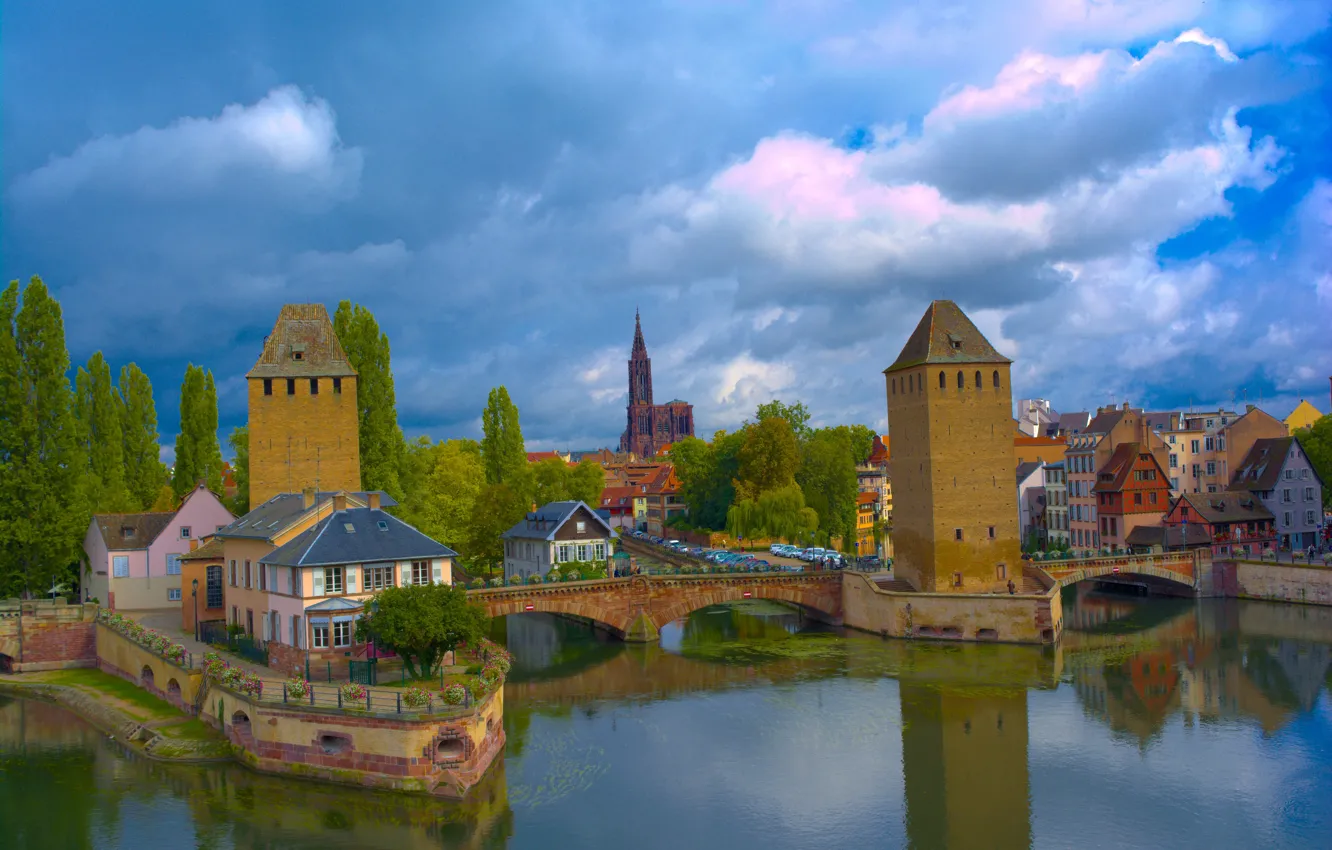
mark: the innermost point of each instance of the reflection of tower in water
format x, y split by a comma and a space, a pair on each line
964, 763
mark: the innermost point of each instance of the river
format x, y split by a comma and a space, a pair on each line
1157, 723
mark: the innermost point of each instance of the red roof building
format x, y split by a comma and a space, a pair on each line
1131, 490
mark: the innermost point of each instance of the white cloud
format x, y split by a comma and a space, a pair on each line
286, 137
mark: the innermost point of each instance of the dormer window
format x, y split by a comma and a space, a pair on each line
298, 355
127, 531
383, 526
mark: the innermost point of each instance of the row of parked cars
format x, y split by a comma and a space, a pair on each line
742, 560
828, 558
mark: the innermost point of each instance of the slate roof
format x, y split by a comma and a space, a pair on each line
1261, 468
945, 335
1169, 537
210, 551
1026, 468
282, 510
1227, 507
1104, 421
357, 536
1070, 423
1119, 465
542, 523
307, 329
143, 529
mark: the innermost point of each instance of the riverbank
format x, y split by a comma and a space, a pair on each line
143, 722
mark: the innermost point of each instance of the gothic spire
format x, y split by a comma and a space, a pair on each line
640, 347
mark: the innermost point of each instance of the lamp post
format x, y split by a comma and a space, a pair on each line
194, 598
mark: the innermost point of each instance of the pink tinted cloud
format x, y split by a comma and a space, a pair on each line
1025, 83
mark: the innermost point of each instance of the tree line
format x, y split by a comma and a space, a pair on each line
775, 477
72, 449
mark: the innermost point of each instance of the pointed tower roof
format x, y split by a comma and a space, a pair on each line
945, 335
302, 344
640, 347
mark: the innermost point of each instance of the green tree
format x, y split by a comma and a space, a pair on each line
550, 479
422, 623
198, 453
99, 433
862, 442
768, 459
144, 471
796, 416
586, 481
707, 473
502, 446
1317, 444
779, 513
827, 477
442, 482
382, 443
43, 509
498, 508
240, 469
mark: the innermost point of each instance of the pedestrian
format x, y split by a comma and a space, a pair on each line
1012, 588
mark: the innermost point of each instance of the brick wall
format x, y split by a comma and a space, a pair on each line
45, 635
298, 439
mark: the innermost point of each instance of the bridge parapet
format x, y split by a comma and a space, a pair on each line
1178, 567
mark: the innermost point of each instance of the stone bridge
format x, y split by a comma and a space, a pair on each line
1179, 569
636, 608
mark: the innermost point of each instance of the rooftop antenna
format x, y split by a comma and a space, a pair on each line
289, 463
318, 449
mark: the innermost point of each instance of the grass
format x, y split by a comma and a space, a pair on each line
191, 730
137, 703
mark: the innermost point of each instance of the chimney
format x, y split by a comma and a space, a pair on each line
194, 543
308, 498
1125, 406
340, 501
374, 500
1249, 408
534, 507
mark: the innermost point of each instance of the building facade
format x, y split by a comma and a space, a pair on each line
950, 408
304, 430
1088, 453
1056, 506
651, 427
202, 586
134, 559
1237, 524
556, 533
1031, 500
1132, 491
1303, 416
1279, 474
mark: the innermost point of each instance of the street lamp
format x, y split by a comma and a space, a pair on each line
194, 599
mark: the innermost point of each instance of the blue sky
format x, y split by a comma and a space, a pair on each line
1133, 199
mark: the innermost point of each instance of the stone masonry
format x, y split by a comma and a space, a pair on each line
43, 635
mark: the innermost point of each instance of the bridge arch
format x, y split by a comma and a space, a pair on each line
1173, 571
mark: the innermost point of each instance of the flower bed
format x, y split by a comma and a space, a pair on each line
147, 638
239, 679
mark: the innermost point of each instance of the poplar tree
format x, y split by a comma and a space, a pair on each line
144, 471
101, 436
382, 443
240, 469
43, 509
502, 446
198, 455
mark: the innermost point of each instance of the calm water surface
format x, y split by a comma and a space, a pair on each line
1158, 723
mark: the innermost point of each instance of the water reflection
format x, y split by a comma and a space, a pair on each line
749, 726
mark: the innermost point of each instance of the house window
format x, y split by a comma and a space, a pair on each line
1174, 483
1308, 494
1304, 474
263, 577
297, 637
1288, 474
943, 381
247, 575
294, 582
235, 617
337, 386
332, 580
1193, 446
580, 526
420, 572
1174, 460
173, 594
1151, 497
1137, 498
957, 534
1210, 444
1308, 517
184, 532
599, 552
291, 386
342, 632
173, 565
978, 379
319, 632
1285, 496
120, 566
213, 587
314, 386
960, 382
233, 572
378, 578
1211, 467
268, 386
991, 532
1285, 519
298, 355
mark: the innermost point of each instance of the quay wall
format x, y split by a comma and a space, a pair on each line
40, 634
1023, 618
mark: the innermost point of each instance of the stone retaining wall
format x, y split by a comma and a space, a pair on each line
1304, 584
39, 634
1029, 618
120, 656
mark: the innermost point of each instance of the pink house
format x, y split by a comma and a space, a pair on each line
134, 559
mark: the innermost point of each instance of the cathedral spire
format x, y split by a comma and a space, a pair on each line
640, 347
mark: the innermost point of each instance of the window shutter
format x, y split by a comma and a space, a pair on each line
439, 572
350, 579
318, 582
265, 628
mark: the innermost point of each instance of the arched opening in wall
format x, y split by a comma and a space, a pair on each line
146, 676
978, 379
951, 632
240, 721
943, 381
6, 664
333, 745
490, 725
1047, 635
173, 689
961, 384
987, 634
450, 749
996, 379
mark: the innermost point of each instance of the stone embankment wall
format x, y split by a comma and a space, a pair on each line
120, 656
46, 635
442, 754
1304, 584
1027, 618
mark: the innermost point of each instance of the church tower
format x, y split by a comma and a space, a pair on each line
649, 427
640, 368
304, 429
950, 412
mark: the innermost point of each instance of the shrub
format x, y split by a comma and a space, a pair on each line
497, 582
416, 697
514, 581
478, 583
569, 577
297, 688
534, 579
353, 693
453, 694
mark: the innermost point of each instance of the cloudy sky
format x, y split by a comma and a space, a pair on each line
1132, 198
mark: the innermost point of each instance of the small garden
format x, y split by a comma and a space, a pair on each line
151, 640
218, 669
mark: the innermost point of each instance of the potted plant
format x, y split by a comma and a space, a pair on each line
453, 694
416, 697
297, 687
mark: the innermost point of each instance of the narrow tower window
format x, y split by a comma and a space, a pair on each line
314, 386
943, 382
996, 379
268, 386
961, 383
978, 379
337, 386
291, 386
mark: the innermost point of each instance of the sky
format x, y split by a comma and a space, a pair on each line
1131, 198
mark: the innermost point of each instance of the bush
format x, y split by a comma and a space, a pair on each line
497, 582
514, 581
477, 583
534, 579
416, 697
353, 693
453, 694
297, 688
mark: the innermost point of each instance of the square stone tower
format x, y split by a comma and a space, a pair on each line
304, 429
950, 414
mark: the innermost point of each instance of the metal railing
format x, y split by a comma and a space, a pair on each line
379, 702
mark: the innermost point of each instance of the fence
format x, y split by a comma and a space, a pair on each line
217, 633
376, 701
